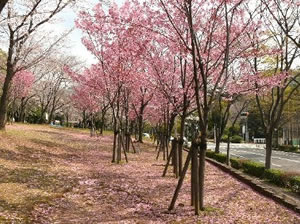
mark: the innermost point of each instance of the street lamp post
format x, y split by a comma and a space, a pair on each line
244, 116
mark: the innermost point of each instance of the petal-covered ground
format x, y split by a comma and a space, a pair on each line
55, 175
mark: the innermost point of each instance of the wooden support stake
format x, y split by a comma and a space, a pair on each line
119, 148
180, 181
124, 149
164, 149
192, 179
133, 147
168, 162
180, 146
175, 155
195, 178
201, 176
157, 154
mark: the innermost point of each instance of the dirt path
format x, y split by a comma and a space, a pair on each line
93, 190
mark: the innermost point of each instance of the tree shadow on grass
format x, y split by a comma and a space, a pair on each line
66, 136
24, 188
35, 178
28, 156
69, 152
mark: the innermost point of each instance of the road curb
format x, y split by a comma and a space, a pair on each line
259, 186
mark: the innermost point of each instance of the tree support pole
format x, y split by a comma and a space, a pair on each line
180, 181
168, 162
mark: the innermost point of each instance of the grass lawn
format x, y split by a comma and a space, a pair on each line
61, 175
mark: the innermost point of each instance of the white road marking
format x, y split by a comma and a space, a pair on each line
291, 160
274, 157
258, 152
251, 152
238, 155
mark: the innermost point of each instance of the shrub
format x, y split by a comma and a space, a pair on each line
288, 148
236, 139
224, 138
236, 163
276, 177
220, 157
216, 156
253, 168
210, 154
294, 184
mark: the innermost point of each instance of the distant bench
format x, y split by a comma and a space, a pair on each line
259, 140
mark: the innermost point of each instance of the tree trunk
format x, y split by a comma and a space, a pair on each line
50, 118
180, 181
218, 142
228, 150
67, 118
203, 146
102, 122
4, 97
175, 155
180, 144
114, 142
92, 130
195, 179
2, 4
114, 147
268, 161
21, 117
83, 119
119, 147
41, 120
140, 128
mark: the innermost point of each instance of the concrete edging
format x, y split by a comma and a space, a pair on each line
259, 186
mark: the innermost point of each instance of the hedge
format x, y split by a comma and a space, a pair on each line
233, 139
236, 163
253, 168
277, 177
295, 184
288, 148
217, 156
236, 139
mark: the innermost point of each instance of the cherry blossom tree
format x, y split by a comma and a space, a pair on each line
142, 96
170, 72
21, 87
206, 33
191, 54
110, 37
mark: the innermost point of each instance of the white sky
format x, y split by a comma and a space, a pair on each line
68, 18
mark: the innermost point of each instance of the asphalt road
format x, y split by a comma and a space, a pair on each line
287, 161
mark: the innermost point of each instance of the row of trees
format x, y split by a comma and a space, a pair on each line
32, 78
161, 59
